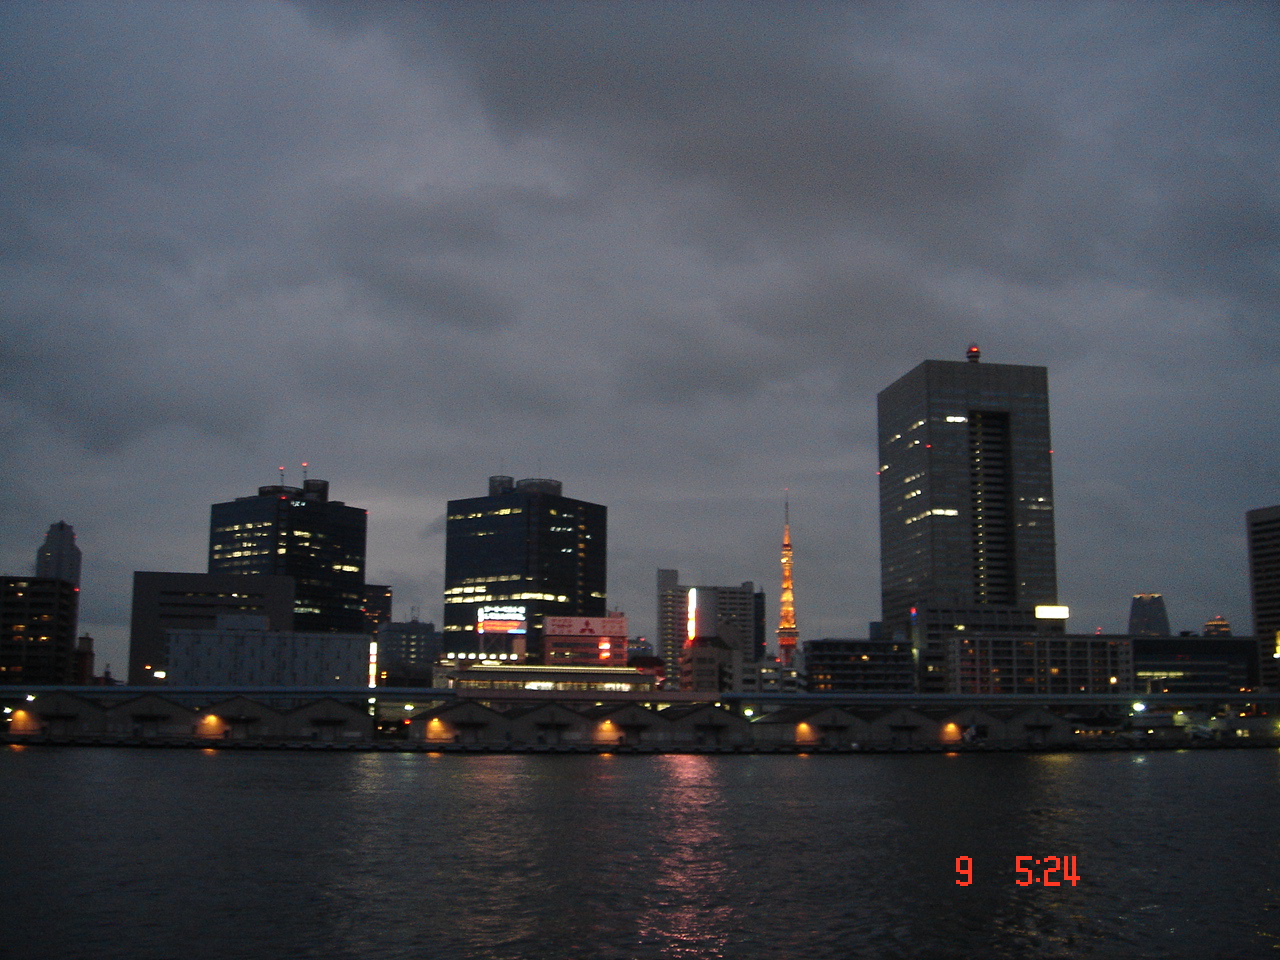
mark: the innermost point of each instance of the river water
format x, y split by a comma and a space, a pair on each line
193, 854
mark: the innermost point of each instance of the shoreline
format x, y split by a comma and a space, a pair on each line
403, 746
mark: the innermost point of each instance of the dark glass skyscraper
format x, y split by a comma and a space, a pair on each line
1148, 616
301, 533
522, 553
966, 505
1264, 569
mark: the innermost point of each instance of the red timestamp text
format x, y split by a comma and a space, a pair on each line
1028, 871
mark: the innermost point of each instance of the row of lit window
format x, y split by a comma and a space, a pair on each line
935, 512
505, 511
499, 598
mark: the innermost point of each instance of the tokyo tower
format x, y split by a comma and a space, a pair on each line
787, 632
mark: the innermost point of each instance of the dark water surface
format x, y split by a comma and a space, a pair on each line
143, 853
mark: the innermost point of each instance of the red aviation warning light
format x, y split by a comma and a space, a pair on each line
973, 354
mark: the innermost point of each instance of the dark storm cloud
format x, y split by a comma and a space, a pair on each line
666, 252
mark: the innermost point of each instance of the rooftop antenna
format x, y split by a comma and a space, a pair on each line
282, 476
304, 472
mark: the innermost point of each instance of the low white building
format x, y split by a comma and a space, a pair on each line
241, 651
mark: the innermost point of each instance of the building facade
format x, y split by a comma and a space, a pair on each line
738, 617
1197, 664
38, 617
241, 651
298, 532
966, 506
586, 641
408, 652
1039, 664
193, 601
1264, 570
516, 556
859, 666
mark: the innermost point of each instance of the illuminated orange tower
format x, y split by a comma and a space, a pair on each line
787, 632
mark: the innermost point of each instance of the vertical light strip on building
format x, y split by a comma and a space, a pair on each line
691, 625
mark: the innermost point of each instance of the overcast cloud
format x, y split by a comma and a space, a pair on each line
664, 252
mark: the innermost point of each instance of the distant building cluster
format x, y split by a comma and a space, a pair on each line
969, 592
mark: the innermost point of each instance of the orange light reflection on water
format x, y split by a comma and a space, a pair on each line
686, 911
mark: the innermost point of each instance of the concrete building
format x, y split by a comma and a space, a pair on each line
870, 666
241, 651
298, 532
966, 506
739, 618
194, 601
408, 653
522, 553
1196, 664
586, 641
1035, 663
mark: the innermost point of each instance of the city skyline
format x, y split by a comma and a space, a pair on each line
667, 254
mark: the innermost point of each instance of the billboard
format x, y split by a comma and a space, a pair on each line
615, 626
506, 618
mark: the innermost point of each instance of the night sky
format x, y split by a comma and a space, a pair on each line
665, 253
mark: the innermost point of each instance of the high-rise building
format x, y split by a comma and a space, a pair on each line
59, 557
38, 630
1264, 589
1218, 626
966, 506
377, 605
1148, 616
520, 554
298, 532
1264, 569
738, 611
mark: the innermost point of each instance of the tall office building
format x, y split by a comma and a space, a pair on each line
1148, 616
298, 532
377, 605
1218, 626
59, 557
520, 554
739, 617
1264, 569
966, 505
